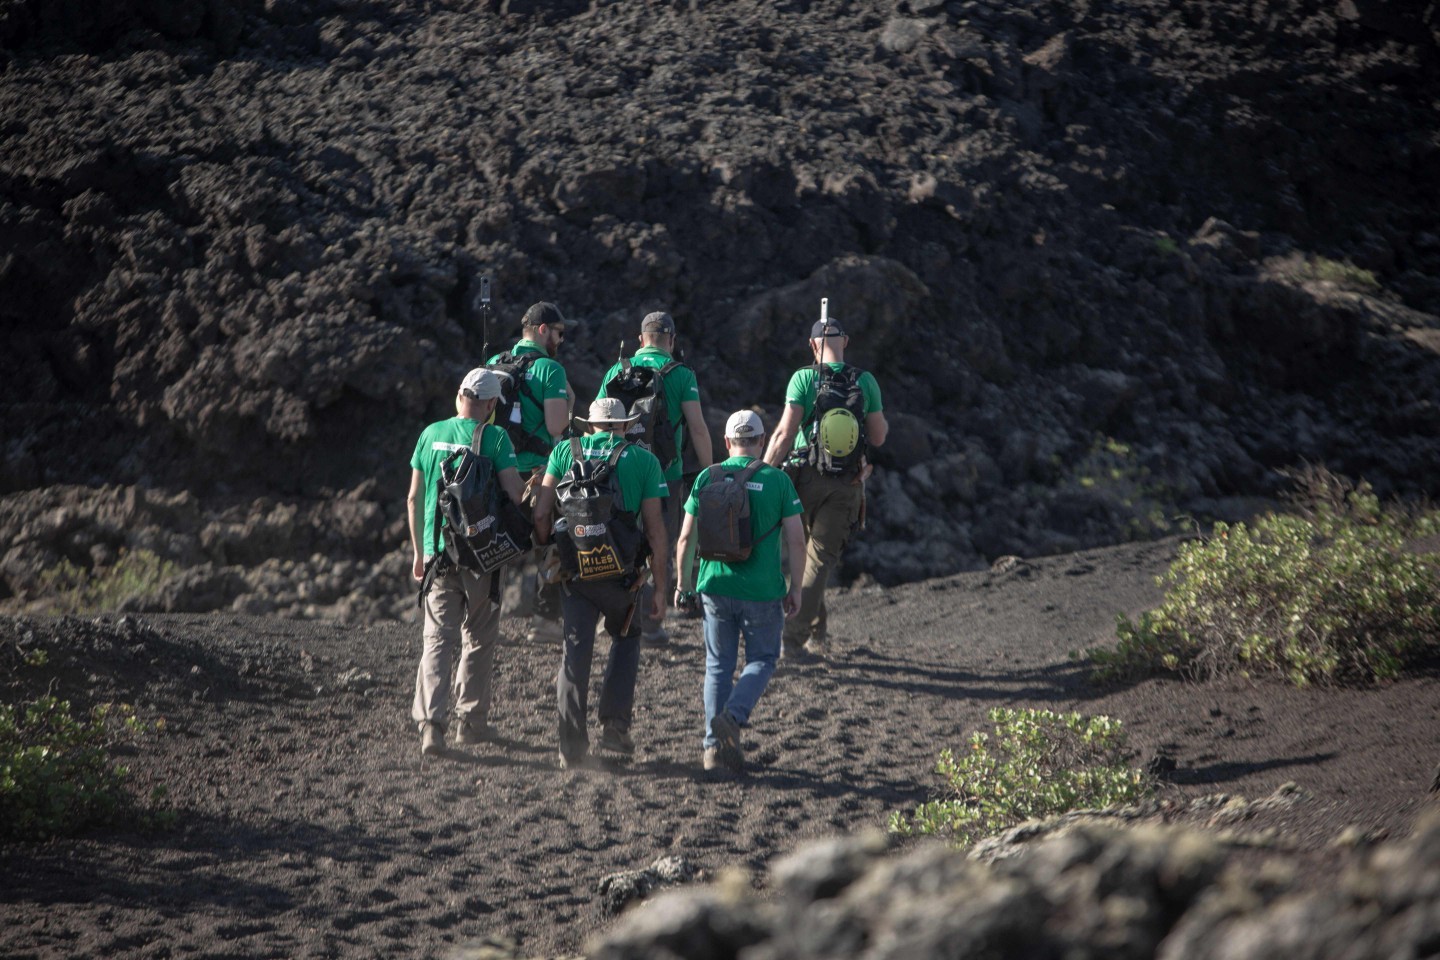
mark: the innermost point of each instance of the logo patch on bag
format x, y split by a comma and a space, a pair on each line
588, 530
600, 563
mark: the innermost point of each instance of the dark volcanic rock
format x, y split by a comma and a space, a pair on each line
1111, 262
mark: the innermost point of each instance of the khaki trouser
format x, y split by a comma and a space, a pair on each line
832, 512
458, 611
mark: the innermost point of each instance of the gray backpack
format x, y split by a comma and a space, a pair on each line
722, 521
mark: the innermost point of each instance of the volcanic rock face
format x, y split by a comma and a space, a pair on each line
1110, 261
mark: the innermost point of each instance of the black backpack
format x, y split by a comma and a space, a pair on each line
513, 370
484, 529
837, 397
642, 390
722, 520
597, 539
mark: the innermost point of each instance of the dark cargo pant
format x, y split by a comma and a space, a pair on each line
584, 604
832, 512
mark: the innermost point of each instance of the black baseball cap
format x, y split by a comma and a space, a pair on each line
829, 327
658, 322
543, 313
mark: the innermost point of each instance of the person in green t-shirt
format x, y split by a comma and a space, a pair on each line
682, 403
544, 406
584, 603
458, 605
833, 499
747, 598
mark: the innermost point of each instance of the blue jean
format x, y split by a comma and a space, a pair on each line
726, 620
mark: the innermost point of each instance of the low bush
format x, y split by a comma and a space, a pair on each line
135, 576
1037, 764
1328, 594
56, 774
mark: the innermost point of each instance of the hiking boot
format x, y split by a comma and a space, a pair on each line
432, 739
580, 762
711, 759
659, 637
727, 732
817, 647
617, 741
795, 652
471, 732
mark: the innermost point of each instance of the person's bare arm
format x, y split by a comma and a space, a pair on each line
659, 539
544, 505
699, 432
415, 506
685, 555
876, 428
794, 530
557, 416
510, 483
783, 440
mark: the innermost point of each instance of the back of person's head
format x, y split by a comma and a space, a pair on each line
744, 428
542, 314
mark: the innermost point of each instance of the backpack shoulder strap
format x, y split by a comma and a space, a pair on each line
619, 449
577, 452
477, 439
749, 470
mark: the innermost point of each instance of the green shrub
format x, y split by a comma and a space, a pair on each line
135, 576
1343, 273
1038, 764
56, 775
1329, 594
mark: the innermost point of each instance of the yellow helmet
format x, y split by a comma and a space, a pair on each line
838, 432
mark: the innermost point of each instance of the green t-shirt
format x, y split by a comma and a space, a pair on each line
760, 576
802, 388
547, 382
437, 442
640, 475
680, 386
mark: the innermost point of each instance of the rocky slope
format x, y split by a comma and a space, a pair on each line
1113, 261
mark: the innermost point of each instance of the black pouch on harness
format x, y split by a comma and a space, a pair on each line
597, 540
483, 529
642, 390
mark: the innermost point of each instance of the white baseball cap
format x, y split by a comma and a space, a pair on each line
480, 383
744, 425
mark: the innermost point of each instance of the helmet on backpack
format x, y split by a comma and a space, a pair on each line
838, 432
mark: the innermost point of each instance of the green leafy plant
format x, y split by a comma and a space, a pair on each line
1328, 594
1037, 763
1342, 273
56, 774
135, 576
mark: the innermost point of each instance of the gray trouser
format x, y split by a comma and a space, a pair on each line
584, 605
458, 611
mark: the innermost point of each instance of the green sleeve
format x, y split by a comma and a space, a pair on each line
609, 374
687, 388
692, 502
549, 379
496, 445
790, 500
870, 387
801, 389
559, 461
654, 485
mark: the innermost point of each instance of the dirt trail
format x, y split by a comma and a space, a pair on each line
309, 826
